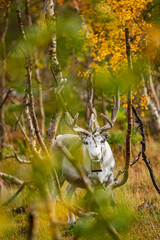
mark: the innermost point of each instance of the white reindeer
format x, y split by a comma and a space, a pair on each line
87, 148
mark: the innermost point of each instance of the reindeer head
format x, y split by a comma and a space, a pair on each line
94, 139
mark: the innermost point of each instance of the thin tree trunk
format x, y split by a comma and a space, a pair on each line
129, 117
3, 82
129, 107
155, 117
37, 75
40, 95
55, 67
153, 91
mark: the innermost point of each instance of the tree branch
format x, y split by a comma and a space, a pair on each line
129, 113
143, 142
15, 194
21, 128
11, 178
40, 98
55, 69
17, 158
6, 96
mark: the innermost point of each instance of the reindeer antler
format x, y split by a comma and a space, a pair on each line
72, 123
114, 114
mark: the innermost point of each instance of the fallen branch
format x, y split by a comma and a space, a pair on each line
11, 178
144, 157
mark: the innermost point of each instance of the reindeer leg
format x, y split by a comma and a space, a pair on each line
54, 192
112, 200
70, 189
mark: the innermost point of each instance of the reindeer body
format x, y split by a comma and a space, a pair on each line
84, 153
87, 147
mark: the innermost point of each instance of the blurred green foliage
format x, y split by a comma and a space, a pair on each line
117, 138
136, 137
74, 59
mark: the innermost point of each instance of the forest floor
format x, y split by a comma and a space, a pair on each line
138, 195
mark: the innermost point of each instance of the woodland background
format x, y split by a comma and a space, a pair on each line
79, 48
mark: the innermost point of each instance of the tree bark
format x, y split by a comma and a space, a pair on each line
37, 75
129, 107
129, 117
55, 67
40, 95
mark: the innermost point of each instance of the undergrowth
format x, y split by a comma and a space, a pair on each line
140, 222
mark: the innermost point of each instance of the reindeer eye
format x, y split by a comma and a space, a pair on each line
102, 141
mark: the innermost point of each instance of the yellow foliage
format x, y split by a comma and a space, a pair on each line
106, 39
5, 4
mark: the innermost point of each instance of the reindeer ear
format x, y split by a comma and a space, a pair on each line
106, 135
83, 138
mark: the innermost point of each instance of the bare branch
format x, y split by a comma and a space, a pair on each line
20, 23
18, 118
6, 96
17, 158
9, 156
53, 126
27, 58
40, 98
15, 194
22, 129
11, 178
31, 112
20, 160
143, 142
